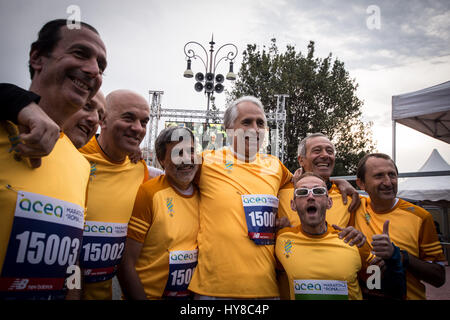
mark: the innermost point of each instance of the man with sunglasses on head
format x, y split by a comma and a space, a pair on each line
318, 264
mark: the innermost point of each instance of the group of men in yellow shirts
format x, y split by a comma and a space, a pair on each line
43, 209
207, 229
397, 231
66, 68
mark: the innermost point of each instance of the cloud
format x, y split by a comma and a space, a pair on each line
145, 42
413, 29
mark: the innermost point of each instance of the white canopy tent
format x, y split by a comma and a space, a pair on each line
426, 110
431, 189
435, 188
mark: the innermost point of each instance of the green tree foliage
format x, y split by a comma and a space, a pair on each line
322, 98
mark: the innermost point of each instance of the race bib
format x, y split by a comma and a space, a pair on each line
181, 268
45, 240
320, 290
102, 249
260, 213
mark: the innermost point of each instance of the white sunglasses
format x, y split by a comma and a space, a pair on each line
316, 191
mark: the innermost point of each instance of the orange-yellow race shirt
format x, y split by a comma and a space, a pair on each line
338, 214
411, 228
166, 223
321, 267
238, 206
41, 220
111, 193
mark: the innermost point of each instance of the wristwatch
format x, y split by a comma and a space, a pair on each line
405, 260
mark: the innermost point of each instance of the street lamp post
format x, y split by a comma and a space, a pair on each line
209, 82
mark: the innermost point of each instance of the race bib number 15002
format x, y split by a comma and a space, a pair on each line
102, 249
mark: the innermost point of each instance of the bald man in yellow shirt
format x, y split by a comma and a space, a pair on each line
114, 182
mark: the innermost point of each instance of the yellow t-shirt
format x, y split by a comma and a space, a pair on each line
42, 216
411, 228
111, 193
284, 208
319, 267
166, 223
230, 264
338, 214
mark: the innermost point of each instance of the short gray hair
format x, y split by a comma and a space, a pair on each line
301, 151
232, 112
167, 136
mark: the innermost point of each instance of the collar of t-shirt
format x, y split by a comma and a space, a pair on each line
395, 203
188, 192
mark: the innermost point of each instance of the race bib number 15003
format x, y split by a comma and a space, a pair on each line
45, 240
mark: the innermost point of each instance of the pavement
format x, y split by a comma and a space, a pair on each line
442, 293
117, 293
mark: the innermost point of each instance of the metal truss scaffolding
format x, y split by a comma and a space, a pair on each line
186, 115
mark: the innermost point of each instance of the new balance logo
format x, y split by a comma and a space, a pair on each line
19, 284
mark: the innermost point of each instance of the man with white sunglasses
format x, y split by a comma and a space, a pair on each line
318, 264
316, 153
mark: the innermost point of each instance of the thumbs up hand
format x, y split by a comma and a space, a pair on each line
381, 243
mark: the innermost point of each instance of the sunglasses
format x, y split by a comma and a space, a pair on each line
316, 191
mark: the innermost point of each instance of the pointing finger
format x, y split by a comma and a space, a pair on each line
337, 227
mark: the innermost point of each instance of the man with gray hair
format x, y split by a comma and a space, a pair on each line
316, 153
247, 132
238, 208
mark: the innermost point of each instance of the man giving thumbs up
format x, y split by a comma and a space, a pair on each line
389, 220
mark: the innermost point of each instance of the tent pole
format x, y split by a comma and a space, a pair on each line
446, 233
393, 141
446, 224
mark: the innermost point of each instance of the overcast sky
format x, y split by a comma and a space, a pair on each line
408, 50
